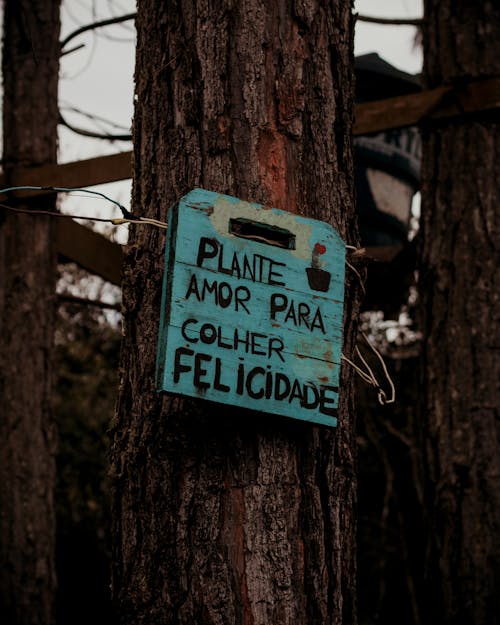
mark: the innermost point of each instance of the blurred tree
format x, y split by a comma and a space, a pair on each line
390, 527
459, 305
86, 363
30, 65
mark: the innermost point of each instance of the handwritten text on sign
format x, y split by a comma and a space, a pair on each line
252, 308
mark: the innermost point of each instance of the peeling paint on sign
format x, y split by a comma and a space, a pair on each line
252, 308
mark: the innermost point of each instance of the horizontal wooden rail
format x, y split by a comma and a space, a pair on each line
98, 255
370, 117
90, 250
86, 173
74, 242
433, 104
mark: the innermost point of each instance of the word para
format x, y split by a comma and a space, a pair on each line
298, 314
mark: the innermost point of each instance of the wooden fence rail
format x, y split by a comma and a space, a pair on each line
100, 256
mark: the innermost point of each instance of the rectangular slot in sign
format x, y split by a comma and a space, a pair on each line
264, 233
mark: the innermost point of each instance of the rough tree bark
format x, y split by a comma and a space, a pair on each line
27, 292
459, 291
221, 515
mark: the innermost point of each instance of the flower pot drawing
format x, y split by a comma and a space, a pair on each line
319, 279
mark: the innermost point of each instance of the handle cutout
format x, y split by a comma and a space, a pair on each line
264, 233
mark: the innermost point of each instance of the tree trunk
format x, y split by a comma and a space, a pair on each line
222, 515
27, 292
459, 291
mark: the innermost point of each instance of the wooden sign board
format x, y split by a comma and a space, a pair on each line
252, 308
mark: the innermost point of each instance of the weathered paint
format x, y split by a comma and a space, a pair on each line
248, 323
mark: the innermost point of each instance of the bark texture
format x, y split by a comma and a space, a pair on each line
220, 515
27, 288
460, 290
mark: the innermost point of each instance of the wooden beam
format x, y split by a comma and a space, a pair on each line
413, 109
383, 253
90, 250
87, 173
98, 255
74, 242
83, 301
370, 117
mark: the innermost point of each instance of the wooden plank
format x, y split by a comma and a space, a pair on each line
84, 301
90, 250
86, 173
100, 256
252, 308
395, 112
473, 97
74, 242
383, 253
370, 117
410, 110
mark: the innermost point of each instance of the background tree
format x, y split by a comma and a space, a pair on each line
86, 367
459, 304
27, 296
222, 515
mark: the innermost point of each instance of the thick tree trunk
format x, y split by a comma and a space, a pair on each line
221, 515
27, 288
459, 290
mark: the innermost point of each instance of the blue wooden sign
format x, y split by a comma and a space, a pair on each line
252, 308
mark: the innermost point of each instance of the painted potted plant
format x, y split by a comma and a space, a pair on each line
318, 278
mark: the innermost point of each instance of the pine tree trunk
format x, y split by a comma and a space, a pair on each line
27, 295
459, 290
221, 515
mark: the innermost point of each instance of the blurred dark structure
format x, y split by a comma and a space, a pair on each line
389, 524
388, 163
387, 175
86, 353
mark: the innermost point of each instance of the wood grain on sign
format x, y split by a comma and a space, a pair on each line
252, 308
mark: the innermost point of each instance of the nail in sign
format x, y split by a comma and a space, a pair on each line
252, 308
